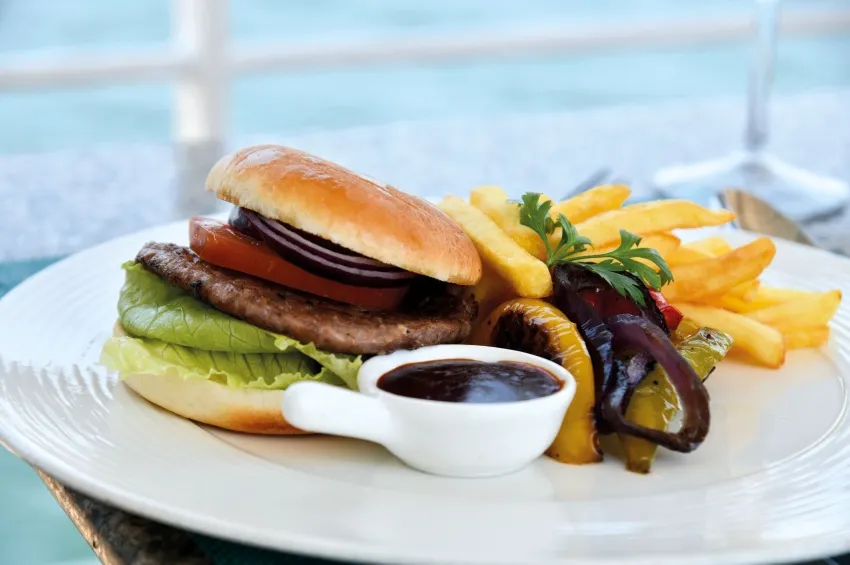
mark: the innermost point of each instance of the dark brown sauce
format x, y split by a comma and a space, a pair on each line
466, 380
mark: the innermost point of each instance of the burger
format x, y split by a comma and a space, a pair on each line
316, 269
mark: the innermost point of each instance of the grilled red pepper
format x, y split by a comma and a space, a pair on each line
671, 314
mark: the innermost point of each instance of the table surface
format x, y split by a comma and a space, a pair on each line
66, 201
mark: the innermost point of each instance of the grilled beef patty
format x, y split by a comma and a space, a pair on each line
429, 316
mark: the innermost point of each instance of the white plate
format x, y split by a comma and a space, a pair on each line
771, 483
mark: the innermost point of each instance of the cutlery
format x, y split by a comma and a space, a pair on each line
755, 215
598, 177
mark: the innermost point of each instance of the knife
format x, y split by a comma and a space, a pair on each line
755, 215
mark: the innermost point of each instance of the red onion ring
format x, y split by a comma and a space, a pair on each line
317, 255
636, 333
570, 281
611, 338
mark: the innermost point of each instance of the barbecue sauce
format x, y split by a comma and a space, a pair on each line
467, 380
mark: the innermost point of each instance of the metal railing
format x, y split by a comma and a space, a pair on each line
202, 61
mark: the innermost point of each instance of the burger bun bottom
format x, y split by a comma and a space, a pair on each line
241, 410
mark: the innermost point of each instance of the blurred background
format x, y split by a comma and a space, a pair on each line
41, 118
83, 74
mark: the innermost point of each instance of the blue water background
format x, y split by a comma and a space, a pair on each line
304, 100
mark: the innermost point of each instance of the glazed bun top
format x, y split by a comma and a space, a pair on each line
346, 208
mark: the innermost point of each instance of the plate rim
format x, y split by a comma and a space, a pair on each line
320, 547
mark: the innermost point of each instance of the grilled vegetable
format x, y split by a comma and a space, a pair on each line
537, 327
587, 299
655, 404
628, 268
633, 335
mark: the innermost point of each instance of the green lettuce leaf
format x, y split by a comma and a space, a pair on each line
164, 315
345, 367
149, 307
268, 371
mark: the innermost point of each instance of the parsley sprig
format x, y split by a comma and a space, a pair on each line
614, 264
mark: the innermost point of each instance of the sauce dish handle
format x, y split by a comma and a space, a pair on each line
328, 409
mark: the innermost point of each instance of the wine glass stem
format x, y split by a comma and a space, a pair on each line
761, 74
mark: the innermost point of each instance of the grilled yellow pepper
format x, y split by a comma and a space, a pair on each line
655, 404
537, 327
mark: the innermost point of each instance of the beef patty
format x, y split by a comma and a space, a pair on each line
426, 318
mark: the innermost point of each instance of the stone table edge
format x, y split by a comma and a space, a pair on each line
120, 538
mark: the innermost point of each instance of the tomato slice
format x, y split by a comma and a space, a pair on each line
222, 245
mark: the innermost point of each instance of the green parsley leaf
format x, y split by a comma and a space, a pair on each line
535, 215
571, 241
613, 265
612, 273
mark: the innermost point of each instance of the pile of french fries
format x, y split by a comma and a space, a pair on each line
715, 284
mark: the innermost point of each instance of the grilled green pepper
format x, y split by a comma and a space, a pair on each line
655, 404
687, 328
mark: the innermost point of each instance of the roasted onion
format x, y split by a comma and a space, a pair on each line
316, 254
624, 341
635, 334
569, 281
608, 302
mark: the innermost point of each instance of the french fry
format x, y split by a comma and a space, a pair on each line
770, 296
650, 217
729, 301
699, 250
714, 245
527, 275
685, 254
481, 194
741, 294
490, 291
592, 202
762, 343
493, 201
765, 297
733, 300
816, 309
663, 242
745, 292
694, 282
806, 338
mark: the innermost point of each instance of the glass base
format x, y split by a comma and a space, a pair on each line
797, 193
